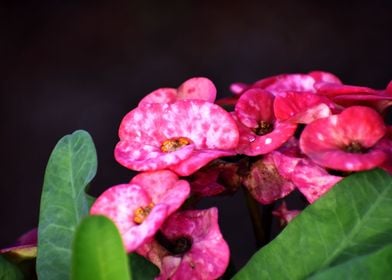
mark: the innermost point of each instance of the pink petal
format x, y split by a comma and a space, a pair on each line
164, 185
301, 107
288, 82
253, 106
197, 88
198, 159
265, 183
161, 95
320, 76
312, 180
333, 89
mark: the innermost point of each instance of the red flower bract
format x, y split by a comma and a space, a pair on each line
260, 132
182, 136
346, 141
189, 246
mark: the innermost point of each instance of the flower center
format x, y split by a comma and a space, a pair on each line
178, 246
354, 147
263, 128
141, 213
173, 144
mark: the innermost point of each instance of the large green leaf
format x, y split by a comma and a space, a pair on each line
346, 233
9, 271
71, 167
98, 251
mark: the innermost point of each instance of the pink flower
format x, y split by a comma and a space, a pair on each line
189, 246
139, 208
195, 88
347, 141
182, 136
260, 131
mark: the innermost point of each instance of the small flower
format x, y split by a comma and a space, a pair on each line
195, 88
347, 141
182, 136
260, 131
285, 215
139, 208
189, 246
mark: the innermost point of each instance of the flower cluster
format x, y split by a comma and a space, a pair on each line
289, 132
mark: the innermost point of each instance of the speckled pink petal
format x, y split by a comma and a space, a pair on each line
333, 89
265, 183
285, 164
209, 255
143, 131
142, 157
161, 95
165, 186
320, 76
301, 107
312, 180
139, 234
198, 159
288, 82
197, 88
119, 204
324, 140
253, 106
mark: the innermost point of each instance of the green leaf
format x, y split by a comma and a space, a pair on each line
141, 268
9, 271
71, 167
347, 230
98, 251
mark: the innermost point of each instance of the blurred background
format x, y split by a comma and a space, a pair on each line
68, 65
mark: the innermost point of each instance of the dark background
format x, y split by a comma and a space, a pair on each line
68, 65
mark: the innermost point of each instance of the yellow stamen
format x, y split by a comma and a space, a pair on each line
173, 144
141, 213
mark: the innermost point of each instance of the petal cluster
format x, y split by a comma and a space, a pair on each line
191, 246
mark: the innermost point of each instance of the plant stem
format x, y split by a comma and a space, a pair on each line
256, 218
